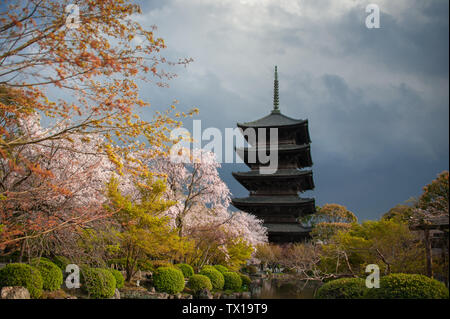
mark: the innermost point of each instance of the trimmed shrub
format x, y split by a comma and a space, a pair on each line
168, 279
245, 280
61, 262
186, 269
208, 267
199, 282
408, 286
216, 277
232, 281
221, 268
120, 280
99, 282
344, 288
52, 276
18, 274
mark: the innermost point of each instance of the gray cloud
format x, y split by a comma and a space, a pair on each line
377, 100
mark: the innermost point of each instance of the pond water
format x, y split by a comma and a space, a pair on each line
285, 287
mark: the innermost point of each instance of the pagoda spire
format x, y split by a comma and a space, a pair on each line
275, 93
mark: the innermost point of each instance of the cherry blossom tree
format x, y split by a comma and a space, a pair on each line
202, 206
63, 189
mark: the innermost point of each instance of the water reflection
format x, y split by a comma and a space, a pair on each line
284, 287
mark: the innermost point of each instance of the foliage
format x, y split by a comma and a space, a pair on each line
186, 269
246, 281
199, 282
344, 288
142, 264
408, 286
270, 255
388, 243
400, 212
143, 231
329, 220
168, 279
120, 280
52, 276
61, 262
239, 251
17, 274
216, 277
98, 282
232, 281
221, 268
435, 195
95, 68
250, 269
160, 263
201, 212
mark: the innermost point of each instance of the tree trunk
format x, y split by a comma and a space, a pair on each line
428, 255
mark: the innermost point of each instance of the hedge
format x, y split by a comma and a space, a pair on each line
216, 277
408, 286
18, 274
99, 282
168, 279
245, 280
221, 268
344, 288
199, 282
232, 281
186, 269
61, 262
52, 276
120, 280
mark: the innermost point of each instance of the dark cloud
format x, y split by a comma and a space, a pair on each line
376, 100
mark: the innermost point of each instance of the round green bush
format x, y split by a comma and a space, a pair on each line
232, 281
17, 274
199, 282
61, 262
245, 280
216, 277
186, 269
208, 267
52, 276
408, 286
168, 279
120, 280
221, 268
344, 288
99, 282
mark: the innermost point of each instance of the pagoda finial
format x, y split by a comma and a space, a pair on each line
275, 93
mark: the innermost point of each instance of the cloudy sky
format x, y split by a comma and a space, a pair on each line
377, 100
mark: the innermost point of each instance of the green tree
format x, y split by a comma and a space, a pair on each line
142, 229
387, 243
330, 219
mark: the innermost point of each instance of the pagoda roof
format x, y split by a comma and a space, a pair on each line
274, 119
286, 228
279, 147
302, 178
273, 200
281, 173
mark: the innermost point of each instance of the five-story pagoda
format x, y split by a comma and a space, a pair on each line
275, 197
